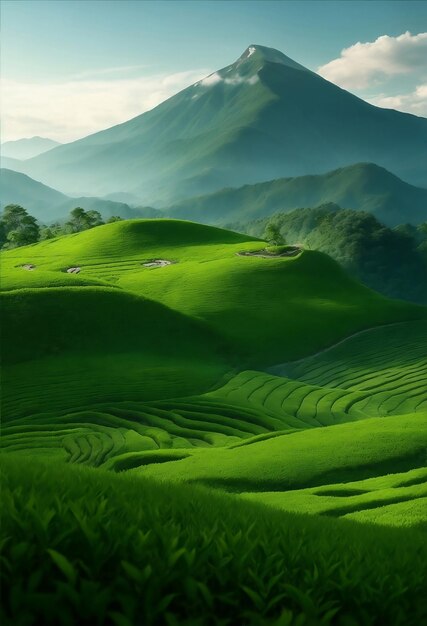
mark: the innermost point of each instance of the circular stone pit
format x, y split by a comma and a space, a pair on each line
153, 263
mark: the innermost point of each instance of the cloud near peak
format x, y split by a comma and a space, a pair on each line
364, 64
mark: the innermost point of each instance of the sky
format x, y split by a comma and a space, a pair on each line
70, 68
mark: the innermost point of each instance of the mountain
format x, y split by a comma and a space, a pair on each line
262, 117
47, 204
364, 186
27, 148
380, 257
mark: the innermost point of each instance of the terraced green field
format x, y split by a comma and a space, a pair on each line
279, 381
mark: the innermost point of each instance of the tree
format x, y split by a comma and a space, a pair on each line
82, 220
17, 227
114, 218
94, 218
273, 235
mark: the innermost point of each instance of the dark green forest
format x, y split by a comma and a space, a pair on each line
392, 261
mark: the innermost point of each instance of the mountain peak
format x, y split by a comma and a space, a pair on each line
262, 54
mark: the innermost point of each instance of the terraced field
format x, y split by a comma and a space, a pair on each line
389, 364
209, 456
397, 499
122, 366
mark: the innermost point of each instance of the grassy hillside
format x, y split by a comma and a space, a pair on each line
94, 548
76, 345
128, 413
91, 373
362, 187
317, 456
268, 310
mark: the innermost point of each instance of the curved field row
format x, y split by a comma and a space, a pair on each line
388, 365
385, 500
252, 404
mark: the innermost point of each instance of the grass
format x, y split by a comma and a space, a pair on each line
267, 310
271, 309
387, 366
312, 457
390, 500
217, 485
94, 548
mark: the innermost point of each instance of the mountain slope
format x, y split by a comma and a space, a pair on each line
47, 204
27, 148
364, 186
262, 117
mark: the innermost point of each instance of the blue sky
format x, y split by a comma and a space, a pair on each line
134, 54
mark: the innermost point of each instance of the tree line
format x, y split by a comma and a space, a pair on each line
392, 261
19, 228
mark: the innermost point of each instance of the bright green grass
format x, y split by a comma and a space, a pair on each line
393, 499
317, 456
87, 547
271, 309
386, 366
74, 347
144, 372
93, 358
267, 310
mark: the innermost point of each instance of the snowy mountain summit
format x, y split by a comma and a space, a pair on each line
262, 55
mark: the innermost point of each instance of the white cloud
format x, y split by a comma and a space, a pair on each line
414, 102
212, 79
365, 64
74, 108
215, 78
240, 80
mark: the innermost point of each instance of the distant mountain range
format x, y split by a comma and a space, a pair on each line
261, 118
27, 148
48, 205
363, 186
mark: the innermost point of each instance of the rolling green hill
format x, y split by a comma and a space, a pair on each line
267, 309
364, 187
260, 118
149, 474
107, 549
49, 205
95, 347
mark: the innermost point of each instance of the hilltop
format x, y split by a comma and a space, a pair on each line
260, 118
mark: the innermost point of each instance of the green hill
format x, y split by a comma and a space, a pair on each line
260, 118
267, 309
101, 548
48, 205
363, 187
149, 474
92, 340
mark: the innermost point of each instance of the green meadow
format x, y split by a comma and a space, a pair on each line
195, 436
